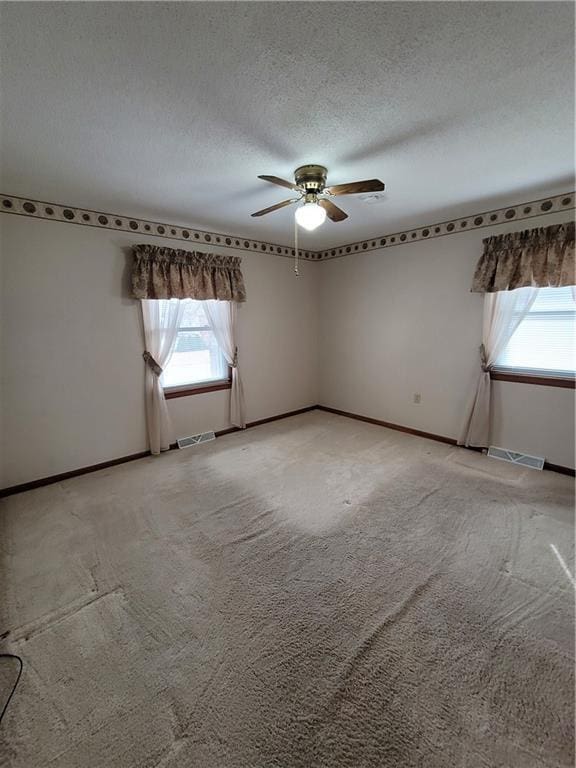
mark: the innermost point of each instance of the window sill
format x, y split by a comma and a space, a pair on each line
197, 389
525, 378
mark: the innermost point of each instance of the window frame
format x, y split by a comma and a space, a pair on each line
201, 387
541, 379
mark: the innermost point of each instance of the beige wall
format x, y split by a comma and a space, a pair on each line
72, 372
402, 320
361, 333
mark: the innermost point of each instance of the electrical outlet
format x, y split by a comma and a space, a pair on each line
417, 398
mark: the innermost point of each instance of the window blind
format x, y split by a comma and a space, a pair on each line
545, 341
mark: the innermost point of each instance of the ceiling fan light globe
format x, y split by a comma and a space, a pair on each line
310, 216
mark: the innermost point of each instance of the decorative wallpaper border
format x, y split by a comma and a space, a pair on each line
23, 206
518, 212
37, 209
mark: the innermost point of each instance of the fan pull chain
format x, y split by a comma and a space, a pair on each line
296, 272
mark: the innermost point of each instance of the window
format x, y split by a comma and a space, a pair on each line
544, 344
197, 359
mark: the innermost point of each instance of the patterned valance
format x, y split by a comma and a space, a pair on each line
542, 257
166, 273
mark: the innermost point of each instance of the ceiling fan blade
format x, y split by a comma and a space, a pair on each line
275, 207
281, 182
332, 211
354, 187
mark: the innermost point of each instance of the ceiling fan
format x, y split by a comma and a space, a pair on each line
310, 183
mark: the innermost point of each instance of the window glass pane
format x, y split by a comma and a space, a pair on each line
196, 357
546, 339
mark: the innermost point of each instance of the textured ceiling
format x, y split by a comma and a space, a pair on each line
170, 110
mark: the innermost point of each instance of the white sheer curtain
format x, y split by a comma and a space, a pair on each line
161, 322
221, 316
503, 312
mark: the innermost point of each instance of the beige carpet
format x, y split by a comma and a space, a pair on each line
313, 592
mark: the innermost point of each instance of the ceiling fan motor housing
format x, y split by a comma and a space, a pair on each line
311, 177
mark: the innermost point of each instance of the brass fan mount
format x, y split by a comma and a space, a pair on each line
311, 178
